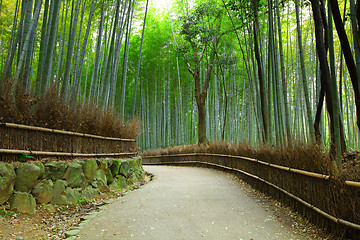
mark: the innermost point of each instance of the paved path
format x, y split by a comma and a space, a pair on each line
186, 203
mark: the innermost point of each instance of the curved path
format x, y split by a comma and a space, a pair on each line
186, 203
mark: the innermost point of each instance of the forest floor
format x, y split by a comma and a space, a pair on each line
50, 221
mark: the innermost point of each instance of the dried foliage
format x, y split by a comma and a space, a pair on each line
51, 111
300, 156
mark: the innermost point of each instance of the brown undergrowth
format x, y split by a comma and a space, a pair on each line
302, 156
51, 111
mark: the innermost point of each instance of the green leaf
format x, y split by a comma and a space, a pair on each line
23, 157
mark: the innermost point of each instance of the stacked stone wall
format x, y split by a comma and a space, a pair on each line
28, 184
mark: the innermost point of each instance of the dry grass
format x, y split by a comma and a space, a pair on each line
51, 111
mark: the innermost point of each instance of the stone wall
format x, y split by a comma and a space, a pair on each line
61, 183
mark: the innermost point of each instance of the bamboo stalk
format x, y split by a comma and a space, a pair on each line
289, 169
63, 154
41, 129
319, 211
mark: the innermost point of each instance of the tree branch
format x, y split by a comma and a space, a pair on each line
190, 70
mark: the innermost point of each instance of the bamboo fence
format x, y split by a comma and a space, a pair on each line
294, 170
333, 200
16, 139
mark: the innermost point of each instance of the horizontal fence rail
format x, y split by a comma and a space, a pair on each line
192, 158
17, 139
63, 154
294, 170
49, 130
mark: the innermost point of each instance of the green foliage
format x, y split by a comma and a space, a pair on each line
202, 25
7, 213
23, 157
83, 201
165, 94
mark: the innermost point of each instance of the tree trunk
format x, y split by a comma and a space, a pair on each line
69, 55
25, 48
51, 45
95, 72
139, 60
123, 86
83, 50
13, 44
349, 59
318, 116
283, 79
202, 120
325, 71
264, 111
303, 75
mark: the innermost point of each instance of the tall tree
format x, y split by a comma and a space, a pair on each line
71, 42
264, 111
201, 30
349, 58
139, 59
96, 69
303, 75
324, 67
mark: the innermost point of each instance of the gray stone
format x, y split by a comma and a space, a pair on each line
132, 179
71, 238
59, 192
55, 170
90, 167
110, 161
101, 181
72, 195
90, 192
87, 217
137, 162
139, 173
114, 186
121, 182
125, 168
115, 167
103, 165
42, 169
82, 224
131, 162
23, 203
7, 181
75, 177
102, 186
26, 176
101, 176
43, 191
72, 232
109, 177
95, 184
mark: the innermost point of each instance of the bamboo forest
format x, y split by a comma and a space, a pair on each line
180, 72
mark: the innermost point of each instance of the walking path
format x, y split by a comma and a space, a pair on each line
186, 203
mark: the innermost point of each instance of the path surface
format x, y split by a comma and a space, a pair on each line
186, 203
